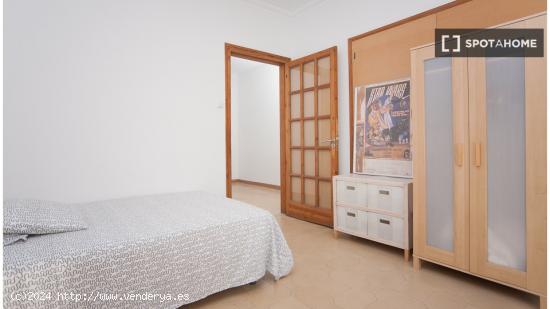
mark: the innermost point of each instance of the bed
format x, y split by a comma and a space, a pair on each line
160, 251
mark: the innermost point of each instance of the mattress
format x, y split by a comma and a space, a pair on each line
160, 251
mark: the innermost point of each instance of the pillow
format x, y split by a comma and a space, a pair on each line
10, 239
40, 217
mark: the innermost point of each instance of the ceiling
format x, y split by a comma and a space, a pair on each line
287, 7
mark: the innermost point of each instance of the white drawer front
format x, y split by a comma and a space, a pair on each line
351, 193
352, 220
386, 198
385, 228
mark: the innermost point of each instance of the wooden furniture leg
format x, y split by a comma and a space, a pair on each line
417, 263
406, 255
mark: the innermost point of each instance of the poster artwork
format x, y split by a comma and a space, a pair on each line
382, 129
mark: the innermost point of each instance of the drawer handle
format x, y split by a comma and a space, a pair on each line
384, 221
351, 214
385, 192
350, 188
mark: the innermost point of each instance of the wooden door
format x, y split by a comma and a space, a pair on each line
311, 134
439, 102
508, 167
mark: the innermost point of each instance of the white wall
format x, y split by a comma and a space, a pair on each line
255, 125
108, 98
235, 83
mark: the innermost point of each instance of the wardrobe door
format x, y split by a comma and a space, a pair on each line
508, 167
440, 157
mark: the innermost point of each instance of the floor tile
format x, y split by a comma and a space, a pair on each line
349, 273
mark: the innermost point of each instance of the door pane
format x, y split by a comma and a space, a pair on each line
309, 162
323, 71
309, 74
295, 133
296, 163
295, 106
324, 132
308, 104
439, 153
309, 189
323, 97
296, 189
309, 133
310, 107
324, 163
295, 78
505, 104
325, 196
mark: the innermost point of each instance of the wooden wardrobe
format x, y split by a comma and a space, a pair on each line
479, 158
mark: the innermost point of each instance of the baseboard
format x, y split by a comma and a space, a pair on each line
248, 182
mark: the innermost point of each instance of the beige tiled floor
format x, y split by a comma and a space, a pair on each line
349, 272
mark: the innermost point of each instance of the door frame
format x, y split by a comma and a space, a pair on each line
232, 50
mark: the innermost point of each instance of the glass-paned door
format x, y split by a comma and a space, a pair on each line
312, 152
440, 129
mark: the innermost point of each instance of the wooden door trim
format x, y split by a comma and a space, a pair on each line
232, 50
334, 107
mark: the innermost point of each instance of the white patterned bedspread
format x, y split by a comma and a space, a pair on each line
160, 251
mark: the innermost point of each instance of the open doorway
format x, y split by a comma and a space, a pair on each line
255, 127
255, 133
308, 128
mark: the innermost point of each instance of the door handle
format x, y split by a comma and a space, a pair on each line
459, 154
477, 154
332, 141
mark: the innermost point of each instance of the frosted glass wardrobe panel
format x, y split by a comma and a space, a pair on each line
439, 152
505, 104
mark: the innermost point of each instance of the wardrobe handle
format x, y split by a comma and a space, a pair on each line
478, 154
459, 154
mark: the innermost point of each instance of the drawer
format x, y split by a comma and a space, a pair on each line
385, 228
352, 220
351, 193
386, 198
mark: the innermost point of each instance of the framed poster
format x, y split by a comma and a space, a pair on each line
382, 129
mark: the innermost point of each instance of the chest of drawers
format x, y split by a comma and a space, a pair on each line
375, 208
